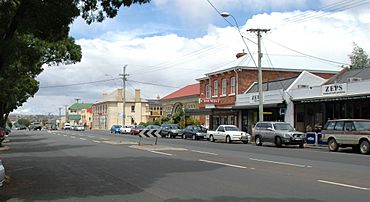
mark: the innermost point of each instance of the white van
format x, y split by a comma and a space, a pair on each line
67, 126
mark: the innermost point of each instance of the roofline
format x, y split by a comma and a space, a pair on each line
188, 96
270, 69
340, 73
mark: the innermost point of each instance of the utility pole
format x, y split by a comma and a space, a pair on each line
66, 112
60, 118
260, 94
77, 100
124, 79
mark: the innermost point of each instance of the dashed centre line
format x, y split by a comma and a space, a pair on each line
96, 141
281, 163
224, 164
163, 153
73, 137
344, 185
82, 138
203, 152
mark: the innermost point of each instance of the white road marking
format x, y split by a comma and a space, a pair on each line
82, 138
157, 152
203, 152
73, 137
65, 135
57, 133
103, 138
90, 136
220, 163
343, 185
96, 141
281, 163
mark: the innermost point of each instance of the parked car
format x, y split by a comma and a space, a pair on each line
2, 174
115, 129
2, 135
150, 127
353, 133
278, 133
79, 128
21, 127
35, 126
67, 126
137, 129
170, 130
126, 129
194, 132
228, 133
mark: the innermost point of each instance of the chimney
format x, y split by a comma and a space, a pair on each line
239, 55
137, 95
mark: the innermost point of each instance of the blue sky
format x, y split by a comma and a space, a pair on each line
174, 42
163, 19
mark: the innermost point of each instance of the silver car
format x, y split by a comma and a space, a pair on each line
278, 133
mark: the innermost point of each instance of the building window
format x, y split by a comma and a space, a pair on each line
208, 91
232, 85
133, 108
223, 90
215, 88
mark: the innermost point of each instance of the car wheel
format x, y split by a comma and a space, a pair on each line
278, 142
333, 145
258, 141
245, 141
365, 147
211, 138
194, 137
228, 139
301, 145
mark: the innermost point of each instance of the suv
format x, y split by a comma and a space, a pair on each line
278, 133
170, 130
353, 133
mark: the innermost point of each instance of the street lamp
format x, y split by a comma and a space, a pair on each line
260, 95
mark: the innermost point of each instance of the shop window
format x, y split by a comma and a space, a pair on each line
208, 91
223, 86
232, 85
215, 88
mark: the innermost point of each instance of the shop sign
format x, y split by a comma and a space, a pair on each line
334, 89
209, 101
255, 98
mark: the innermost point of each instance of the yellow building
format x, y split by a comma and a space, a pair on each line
80, 114
108, 111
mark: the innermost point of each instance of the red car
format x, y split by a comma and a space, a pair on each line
2, 135
137, 129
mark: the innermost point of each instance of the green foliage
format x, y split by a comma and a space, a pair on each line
192, 121
359, 58
34, 33
9, 124
24, 122
165, 119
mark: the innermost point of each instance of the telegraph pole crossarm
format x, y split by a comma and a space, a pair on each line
124, 79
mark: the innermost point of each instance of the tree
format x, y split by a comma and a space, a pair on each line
359, 58
34, 33
24, 122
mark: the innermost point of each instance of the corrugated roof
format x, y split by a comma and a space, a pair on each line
343, 77
189, 90
154, 102
79, 106
273, 85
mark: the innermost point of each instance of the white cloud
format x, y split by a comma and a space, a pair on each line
177, 61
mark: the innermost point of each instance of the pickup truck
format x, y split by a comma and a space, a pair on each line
228, 133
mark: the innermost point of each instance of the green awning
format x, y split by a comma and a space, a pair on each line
74, 117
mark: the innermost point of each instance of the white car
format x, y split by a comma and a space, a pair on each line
126, 129
79, 128
67, 126
228, 133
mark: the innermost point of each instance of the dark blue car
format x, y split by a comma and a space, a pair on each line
116, 129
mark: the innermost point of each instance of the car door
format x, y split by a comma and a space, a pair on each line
349, 133
219, 133
268, 133
338, 132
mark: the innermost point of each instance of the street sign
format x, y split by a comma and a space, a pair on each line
149, 133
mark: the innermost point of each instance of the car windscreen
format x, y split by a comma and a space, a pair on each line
117, 126
231, 128
362, 125
283, 126
200, 129
174, 126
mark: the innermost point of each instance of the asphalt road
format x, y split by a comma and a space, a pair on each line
99, 166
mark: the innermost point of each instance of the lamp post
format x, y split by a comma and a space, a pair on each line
259, 67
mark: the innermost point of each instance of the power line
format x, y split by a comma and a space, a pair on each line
245, 43
83, 83
154, 84
311, 56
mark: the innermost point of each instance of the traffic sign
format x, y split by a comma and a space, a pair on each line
150, 133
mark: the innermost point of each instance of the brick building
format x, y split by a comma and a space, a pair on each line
218, 91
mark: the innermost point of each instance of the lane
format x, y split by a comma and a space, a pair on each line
177, 175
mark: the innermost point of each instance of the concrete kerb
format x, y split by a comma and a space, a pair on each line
4, 148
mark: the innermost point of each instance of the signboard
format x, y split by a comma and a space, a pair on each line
334, 89
209, 101
255, 97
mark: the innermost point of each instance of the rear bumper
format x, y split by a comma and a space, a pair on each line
293, 141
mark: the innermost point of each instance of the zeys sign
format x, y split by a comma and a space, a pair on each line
334, 89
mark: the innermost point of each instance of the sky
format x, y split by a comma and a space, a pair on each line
168, 44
